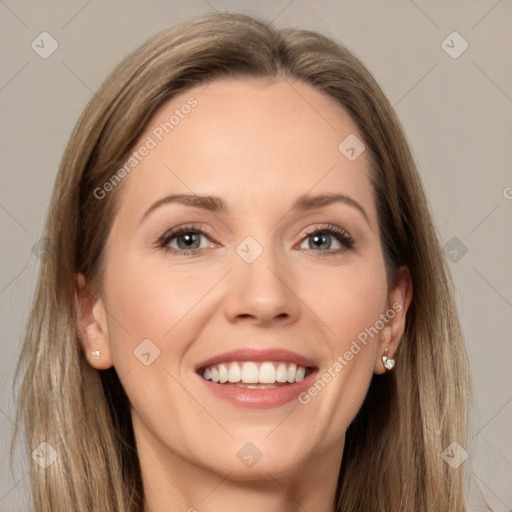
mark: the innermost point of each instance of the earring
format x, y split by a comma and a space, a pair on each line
388, 363
96, 354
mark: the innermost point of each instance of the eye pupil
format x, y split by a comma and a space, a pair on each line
321, 240
188, 240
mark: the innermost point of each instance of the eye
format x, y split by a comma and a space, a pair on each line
330, 239
191, 239
185, 240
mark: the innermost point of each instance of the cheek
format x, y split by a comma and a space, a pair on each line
149, 301
348, 299
341, 385
151, 325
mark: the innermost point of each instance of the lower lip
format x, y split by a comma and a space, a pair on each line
259, 398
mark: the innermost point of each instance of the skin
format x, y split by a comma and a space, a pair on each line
258, 146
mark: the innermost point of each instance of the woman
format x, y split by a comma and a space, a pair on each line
243, 303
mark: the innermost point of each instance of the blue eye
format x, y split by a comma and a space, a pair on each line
331, 239
190, 240
184, 240
187, 240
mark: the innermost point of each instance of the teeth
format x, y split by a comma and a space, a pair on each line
281, 373
223, 373
249, 372
235, 373
256, 386
292, 370
267, 373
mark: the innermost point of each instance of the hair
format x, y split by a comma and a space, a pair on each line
392, 455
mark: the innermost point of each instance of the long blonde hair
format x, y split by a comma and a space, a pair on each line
392, 458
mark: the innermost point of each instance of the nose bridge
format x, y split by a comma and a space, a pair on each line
261, 284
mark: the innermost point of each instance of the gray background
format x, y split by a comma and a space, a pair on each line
456, 113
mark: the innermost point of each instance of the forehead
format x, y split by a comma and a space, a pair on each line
252, 142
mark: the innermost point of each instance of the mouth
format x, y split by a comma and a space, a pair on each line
255, 375
257, 378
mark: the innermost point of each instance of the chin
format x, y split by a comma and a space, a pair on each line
259, 459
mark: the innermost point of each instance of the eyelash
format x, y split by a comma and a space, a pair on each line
338, 233
173, 233
329, 229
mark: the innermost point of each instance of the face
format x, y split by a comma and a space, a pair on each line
245, 250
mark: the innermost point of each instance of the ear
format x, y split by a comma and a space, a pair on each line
92, 326
399, 299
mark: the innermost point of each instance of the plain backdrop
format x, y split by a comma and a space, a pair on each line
455, 104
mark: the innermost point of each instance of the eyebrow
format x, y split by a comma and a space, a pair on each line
308, 202
216, 204
209, 203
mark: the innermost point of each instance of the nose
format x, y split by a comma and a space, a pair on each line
262, 292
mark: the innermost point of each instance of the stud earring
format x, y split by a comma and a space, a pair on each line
388, 363
96, 354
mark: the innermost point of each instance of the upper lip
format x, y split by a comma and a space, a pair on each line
258, 355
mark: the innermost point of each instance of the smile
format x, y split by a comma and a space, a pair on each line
255, 373
257, 378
